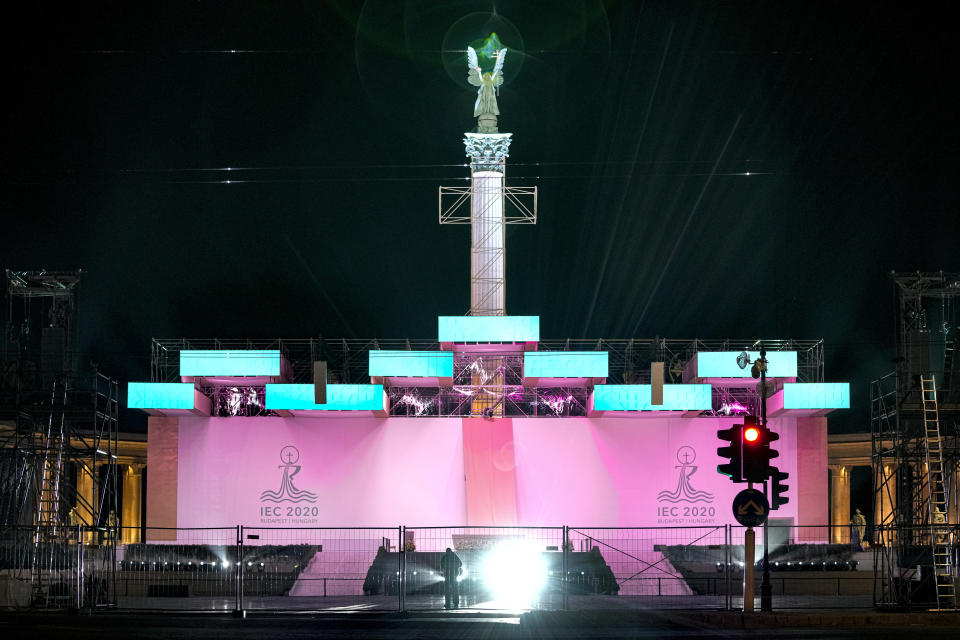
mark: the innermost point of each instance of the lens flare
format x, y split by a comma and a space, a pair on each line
515, 572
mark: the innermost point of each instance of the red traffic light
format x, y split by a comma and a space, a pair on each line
751, 434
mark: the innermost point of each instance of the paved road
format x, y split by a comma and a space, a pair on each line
487, 627
416, 603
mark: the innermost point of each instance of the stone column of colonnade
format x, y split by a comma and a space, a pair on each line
884, 505
953, 509
86, 491
131, 509
840, 503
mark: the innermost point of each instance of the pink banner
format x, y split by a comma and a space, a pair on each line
319, 472
447, 471
488, 470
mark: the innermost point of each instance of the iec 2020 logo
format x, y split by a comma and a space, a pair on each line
288, 493
698, 502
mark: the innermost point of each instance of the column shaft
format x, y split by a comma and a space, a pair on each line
840, 503
132, 501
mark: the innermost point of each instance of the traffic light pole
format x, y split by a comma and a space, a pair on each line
766, 589
748, 565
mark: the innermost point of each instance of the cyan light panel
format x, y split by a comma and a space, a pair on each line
160, 395
230, 362
340, 397
411, 364
566, 364
816, 395
636, 397
723, 364
488, 328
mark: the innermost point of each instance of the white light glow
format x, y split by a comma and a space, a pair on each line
419, 405
515, 572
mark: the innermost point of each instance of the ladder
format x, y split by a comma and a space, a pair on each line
48, 526
939, 531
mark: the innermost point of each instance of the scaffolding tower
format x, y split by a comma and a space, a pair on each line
58, 432
915, 436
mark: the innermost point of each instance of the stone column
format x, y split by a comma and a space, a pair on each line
885, 504
953, 510
132, 503
840, 504
85, 490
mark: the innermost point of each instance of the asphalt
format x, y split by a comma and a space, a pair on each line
809, 624
863, 618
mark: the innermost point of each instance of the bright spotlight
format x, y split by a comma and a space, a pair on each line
515, 572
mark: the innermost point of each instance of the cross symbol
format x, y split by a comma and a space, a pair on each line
686, 457
289, 456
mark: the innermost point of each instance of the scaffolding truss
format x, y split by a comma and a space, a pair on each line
58, 430
489, 383
523, 201
915, 439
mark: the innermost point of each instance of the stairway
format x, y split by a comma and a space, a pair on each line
340, 569
939, 534
640, 570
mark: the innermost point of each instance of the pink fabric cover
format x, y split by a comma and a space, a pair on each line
489, 471
452, 471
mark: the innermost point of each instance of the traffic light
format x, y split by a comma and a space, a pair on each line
756, 450
777, 489
733, 452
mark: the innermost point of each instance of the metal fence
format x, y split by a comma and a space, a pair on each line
178, 569
408, 568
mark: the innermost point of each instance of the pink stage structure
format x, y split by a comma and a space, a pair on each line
489, 427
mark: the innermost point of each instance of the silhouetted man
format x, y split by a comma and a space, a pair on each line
451, 566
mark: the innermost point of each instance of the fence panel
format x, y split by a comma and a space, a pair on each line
321, 569
183, 569
648, 567
39, 567
515, 568
807, 570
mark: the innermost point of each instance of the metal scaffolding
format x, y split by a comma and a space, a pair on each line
488, 383
58, 430
915, 434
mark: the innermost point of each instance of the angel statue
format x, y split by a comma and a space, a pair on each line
485, 110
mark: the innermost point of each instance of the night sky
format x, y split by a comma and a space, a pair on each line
639, 122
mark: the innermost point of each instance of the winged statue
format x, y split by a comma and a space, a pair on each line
488, 83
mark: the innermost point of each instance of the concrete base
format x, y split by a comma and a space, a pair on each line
14, 593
